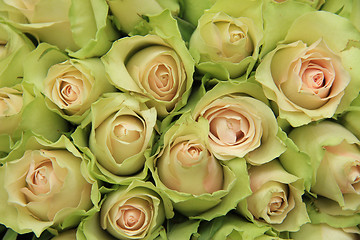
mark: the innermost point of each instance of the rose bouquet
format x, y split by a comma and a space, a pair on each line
179, 119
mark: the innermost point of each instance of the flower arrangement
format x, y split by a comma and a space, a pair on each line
179, 119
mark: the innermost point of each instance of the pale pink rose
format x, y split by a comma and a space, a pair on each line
189, 157
342, 161
306, 82
185, 163
239, 124
132, 212
276, 198
159, 70
334, 154
42, 179
69, 87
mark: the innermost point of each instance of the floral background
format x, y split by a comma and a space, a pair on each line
179, 119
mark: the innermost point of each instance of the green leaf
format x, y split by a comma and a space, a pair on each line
186, 29
182, 230
10, 235
208, 230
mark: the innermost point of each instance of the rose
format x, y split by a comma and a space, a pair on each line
157, 67
70, 85
120, 135
311, 85
14, 47
128, 13
276, 198
240, 124
309, 79
43, 185
122, 130
324, 231
334, 156
21, 110
136, 211
197, 183
227, 45
134, 215
71, 25
188, 155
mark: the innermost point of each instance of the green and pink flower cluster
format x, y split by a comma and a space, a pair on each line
179, 119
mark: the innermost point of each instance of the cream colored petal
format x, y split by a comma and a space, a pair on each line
131, 217
235, 127
68, 87
127, 137
190, 158
11, 101
289, 65
158, 70
344, 164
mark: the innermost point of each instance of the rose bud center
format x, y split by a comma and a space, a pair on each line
235, 33
133, 217
128, 129
317, 75
38, 177
277, 204
163, 77
69, 93
130, 218
159, 70
354, 176
189, 154
228, 127
234, 42
229, 130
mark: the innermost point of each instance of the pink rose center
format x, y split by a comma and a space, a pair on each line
277, 204
38, 177
317, 75
227, 130
69, 93
188, 154
194, 152
354, 174
130, 218
229, 127
163, 76
163, 79
315, 78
